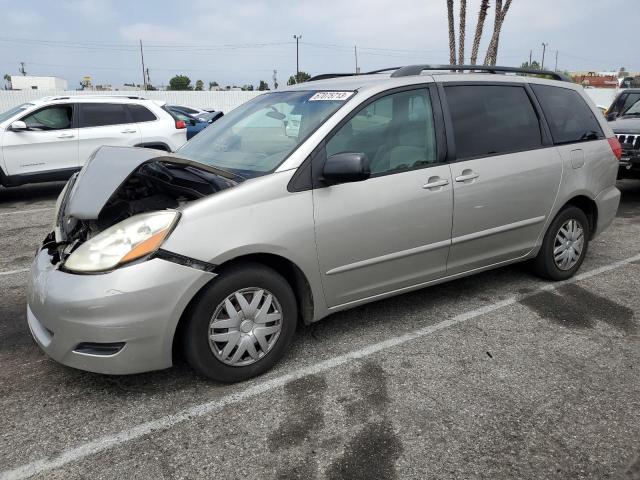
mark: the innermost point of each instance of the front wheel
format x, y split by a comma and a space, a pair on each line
564, 246
241, 325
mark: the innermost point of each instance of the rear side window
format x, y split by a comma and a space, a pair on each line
570, 118
141, 114
103, 114
492, 120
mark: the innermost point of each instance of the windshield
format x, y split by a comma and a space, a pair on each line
258, 136
634, 109
14, 111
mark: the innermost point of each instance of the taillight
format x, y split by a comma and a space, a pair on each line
181, 124
616, 148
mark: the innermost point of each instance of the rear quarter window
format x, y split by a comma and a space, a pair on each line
569, 117
141, 114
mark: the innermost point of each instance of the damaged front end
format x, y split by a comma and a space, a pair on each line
118, 183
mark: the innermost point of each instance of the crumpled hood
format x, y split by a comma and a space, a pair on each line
106, 170
625, 125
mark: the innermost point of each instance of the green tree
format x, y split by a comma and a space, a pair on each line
298, 78
7, 79
263, 86
213, 84
534, 65
248, 88
180, 82
199, 85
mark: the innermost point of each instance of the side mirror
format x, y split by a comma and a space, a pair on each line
18, 126
346, 167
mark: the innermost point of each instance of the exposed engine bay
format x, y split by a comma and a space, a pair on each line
157, 184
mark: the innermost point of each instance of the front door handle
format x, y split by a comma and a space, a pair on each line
66, 135
435, 182
467, 176
128, 130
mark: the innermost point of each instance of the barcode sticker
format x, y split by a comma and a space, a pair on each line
330, 96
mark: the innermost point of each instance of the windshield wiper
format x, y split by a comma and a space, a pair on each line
634, 114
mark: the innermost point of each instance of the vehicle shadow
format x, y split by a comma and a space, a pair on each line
31, 194
630, 200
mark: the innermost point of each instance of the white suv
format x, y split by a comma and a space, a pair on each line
51, 138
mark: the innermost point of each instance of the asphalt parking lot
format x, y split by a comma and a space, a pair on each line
500, 375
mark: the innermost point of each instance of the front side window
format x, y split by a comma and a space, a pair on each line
570, 118
259, 135
396, 132
492, 120
103, 114
58, 117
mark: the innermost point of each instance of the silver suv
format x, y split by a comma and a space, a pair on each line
387, 183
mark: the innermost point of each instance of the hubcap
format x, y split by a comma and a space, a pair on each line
568, 245
245, 326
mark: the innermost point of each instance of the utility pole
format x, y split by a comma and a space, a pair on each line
556, 69
144, 79
298, 38
355, 51
22, 70
148, 77
544, 49
530, 57
275, 79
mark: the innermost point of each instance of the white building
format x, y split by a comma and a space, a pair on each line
29, 82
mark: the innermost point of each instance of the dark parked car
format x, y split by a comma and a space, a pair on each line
623, 101
625, 123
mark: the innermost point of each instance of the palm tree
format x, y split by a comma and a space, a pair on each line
500, 14
484, 6
452, 33
461, 32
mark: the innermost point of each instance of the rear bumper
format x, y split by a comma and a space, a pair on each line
138, 306
607, 202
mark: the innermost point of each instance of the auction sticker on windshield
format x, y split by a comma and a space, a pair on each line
331, 96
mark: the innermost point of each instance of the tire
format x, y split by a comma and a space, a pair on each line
545, 264
217, 300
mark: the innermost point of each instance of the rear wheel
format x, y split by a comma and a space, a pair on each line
241, 325
564, 246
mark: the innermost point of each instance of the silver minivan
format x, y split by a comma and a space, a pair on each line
387, 183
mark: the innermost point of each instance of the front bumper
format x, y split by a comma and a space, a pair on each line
629, 163
138, 305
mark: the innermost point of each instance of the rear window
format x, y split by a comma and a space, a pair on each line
141, 114
492, 120
103, 114
570, 118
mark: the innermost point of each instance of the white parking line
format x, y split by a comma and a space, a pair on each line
110, 441
11, 272
18, 212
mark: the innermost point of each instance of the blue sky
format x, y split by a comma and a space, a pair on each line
244, 41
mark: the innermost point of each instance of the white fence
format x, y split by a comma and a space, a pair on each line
218, 100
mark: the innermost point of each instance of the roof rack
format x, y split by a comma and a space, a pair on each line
410, 70
418, 69
325, 76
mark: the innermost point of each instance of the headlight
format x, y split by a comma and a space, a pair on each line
123, 242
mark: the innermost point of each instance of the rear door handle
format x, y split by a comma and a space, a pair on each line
66, 135
128, 130
435, 182
467, 175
